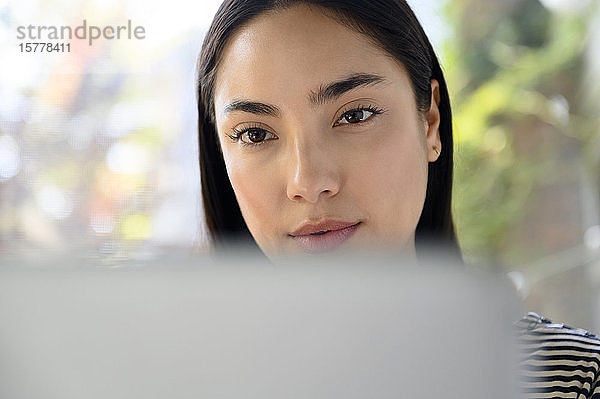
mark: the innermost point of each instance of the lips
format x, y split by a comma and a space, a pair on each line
324, 236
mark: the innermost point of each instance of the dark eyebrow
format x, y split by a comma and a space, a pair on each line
334, 90
253, 107
326, 93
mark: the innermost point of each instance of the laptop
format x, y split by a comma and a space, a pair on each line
239, 327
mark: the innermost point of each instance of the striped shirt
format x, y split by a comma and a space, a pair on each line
557, 361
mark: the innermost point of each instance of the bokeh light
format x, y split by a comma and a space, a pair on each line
10, 159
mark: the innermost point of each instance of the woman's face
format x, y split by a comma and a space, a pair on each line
321, 136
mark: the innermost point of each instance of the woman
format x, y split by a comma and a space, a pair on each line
342, 140
325, 126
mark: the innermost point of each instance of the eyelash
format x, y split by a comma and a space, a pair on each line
239, 132
369, 108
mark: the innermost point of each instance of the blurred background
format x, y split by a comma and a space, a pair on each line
98, 151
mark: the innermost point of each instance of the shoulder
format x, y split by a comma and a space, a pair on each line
557, 361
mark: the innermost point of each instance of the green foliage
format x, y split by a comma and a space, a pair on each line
514, 69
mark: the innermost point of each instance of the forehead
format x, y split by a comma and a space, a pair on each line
279, 56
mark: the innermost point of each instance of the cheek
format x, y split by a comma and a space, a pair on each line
394, 183
258, 195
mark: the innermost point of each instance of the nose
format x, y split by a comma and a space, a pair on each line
312, 173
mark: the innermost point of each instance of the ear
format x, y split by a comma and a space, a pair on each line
432, 119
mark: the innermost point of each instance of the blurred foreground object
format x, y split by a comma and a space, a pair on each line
243, 329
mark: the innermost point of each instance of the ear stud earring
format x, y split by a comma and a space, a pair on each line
436, 150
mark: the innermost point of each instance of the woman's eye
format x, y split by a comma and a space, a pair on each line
355, 116
255, 136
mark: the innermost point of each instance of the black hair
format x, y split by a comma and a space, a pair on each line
388, 24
